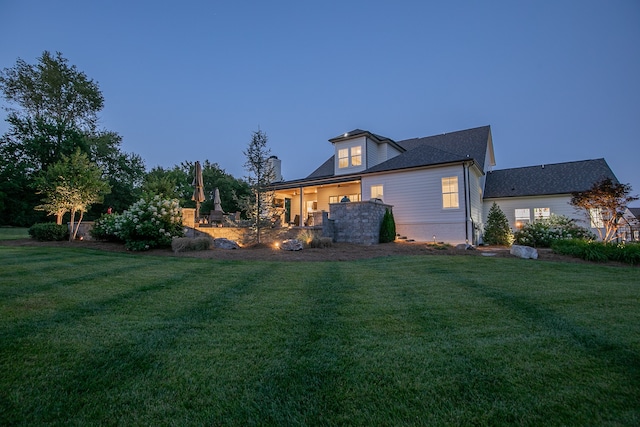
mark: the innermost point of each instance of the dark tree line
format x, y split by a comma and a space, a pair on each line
52, 112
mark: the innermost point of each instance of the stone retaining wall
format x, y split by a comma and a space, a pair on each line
355, 222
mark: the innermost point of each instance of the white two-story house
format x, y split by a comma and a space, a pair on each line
441, 187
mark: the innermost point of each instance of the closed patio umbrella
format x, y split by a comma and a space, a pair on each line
198, 189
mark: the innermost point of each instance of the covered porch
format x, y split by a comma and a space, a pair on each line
302, 202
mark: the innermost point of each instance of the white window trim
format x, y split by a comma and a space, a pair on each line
450, 194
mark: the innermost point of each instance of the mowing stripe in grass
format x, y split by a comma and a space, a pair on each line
136, 353
299, 387
62, 272
585, 339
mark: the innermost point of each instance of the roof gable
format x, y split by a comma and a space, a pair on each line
470, 144
558, 178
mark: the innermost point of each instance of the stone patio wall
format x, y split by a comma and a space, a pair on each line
355, 222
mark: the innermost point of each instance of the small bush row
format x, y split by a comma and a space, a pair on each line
599, 251
49, 232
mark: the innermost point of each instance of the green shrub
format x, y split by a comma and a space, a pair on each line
544, 232
387, 228
49, 232
599, 251
321, 242
184, 244
497, 231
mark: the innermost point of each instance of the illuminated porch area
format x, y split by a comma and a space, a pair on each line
303, 203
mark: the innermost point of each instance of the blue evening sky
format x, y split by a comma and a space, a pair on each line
557, 80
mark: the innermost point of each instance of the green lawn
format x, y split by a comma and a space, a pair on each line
93, 338
13, 233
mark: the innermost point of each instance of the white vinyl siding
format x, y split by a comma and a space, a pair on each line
416, 197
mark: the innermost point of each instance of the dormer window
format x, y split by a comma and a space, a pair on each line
356, 156
350, 157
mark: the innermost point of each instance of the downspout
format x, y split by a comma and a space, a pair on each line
473, 230
466, 207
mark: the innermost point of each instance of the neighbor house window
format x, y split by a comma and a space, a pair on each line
450, 192
343, 158
377, 192
522, 215
541, 213
596, 218
333, 199
356, 156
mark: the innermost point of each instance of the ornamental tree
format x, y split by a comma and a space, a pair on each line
71, 185
604, 204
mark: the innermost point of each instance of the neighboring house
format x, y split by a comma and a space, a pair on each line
441, 187
630, 229
535, 192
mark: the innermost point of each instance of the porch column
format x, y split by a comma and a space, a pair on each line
301, 219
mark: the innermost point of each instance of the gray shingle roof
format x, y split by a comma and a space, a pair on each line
558, 178
325, 169
463, 144
432, 150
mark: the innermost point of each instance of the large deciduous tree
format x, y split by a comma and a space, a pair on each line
53, 111
71, 185
604, 203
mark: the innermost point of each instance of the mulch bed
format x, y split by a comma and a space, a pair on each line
337, 252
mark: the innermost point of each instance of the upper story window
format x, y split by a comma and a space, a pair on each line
343, 158
349, 157
450, 192
356, 156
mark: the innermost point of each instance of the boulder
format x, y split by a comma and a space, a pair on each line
223, 243
291, 245
525, 252
465, 247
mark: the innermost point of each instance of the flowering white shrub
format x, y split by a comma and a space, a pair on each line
544, 232
148, 223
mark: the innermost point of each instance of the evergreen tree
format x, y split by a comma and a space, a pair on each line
497, 231
387, 228
259, 207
